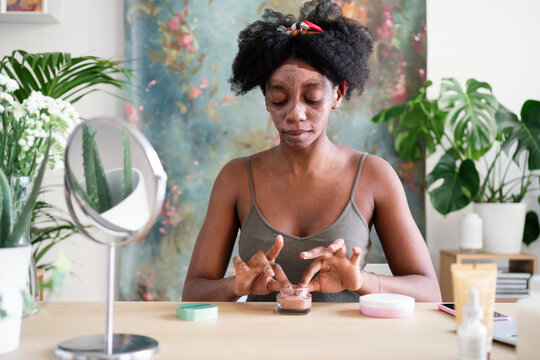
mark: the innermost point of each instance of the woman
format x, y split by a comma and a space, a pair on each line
305, 207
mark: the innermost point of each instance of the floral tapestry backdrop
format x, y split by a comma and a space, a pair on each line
181, 52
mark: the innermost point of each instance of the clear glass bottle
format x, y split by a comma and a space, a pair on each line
293, 301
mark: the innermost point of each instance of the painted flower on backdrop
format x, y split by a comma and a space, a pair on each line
25, 128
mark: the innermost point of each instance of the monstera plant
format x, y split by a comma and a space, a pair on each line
478, 139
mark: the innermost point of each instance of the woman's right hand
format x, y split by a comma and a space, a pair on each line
257, 276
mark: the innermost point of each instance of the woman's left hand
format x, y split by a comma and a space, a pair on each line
337, 272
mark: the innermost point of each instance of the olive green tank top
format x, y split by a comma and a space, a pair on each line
258, 234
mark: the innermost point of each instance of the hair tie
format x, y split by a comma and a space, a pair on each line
343, 87
300, 28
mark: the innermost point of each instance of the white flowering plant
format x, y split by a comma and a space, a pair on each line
25, 128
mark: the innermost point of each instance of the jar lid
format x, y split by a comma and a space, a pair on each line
386, 305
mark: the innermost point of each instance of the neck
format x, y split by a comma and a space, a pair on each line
318, 156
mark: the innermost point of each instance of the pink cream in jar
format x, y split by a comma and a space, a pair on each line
293, 301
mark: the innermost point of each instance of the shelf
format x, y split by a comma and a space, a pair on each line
516, 263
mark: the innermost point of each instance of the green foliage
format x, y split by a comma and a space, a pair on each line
97, 187
471, 115
466, 124
98, 190
458, 183
48, 228
59, 75
13, 237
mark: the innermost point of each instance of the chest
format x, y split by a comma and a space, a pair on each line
302, 207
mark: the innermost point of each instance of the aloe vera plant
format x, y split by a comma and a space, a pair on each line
11, 231
98, 191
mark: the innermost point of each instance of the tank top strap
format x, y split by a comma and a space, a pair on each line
250, 177
358, 175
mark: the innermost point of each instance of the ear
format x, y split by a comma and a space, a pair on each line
338, 97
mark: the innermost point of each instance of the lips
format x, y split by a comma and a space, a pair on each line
296, 132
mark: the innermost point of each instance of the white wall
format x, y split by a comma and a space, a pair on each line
491, 40
88, 28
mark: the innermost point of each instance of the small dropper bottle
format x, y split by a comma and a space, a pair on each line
472, 334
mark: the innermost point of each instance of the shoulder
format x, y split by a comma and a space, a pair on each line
380, 175
232, 177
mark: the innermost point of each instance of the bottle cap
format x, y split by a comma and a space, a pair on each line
473, 310
534, 284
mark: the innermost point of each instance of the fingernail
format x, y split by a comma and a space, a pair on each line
270, 272
246, 268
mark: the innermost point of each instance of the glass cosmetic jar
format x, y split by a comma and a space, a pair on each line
293, 301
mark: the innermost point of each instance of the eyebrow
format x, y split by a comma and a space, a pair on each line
308, 85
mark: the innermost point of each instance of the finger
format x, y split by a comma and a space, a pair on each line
314, 285
318, 252
338, 248
357, 253
280, 276
262, 263
311, 270
273, 252
239, 265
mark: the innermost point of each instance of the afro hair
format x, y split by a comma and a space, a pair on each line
340, 52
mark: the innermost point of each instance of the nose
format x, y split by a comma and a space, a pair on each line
296, 112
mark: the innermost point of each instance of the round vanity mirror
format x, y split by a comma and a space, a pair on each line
114, 188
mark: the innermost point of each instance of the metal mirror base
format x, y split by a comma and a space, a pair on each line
91, 347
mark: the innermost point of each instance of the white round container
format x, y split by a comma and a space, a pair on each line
387, 305
471, 234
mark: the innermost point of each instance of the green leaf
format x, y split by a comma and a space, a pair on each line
26, 213
6, 216
459, 186
471, 114
56, 74
524, 133
532, 228
89, 166
416, 125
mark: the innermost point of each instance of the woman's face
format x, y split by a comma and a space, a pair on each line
299, 100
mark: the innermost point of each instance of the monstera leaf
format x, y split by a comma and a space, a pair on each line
471, 115
460, 183
524, 133
416, 125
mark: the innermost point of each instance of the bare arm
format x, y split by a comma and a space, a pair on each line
402, 242
212, 252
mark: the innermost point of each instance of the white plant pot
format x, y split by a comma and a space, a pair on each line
14, 263
132, 212
503, 226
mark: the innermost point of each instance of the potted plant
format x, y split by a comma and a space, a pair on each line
15, 253
480, 142
59, 76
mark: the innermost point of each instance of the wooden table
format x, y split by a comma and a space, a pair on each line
256, 331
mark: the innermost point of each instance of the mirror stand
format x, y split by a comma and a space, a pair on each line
108, 345
128, 215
